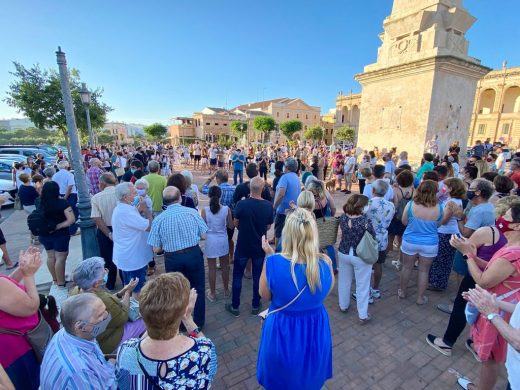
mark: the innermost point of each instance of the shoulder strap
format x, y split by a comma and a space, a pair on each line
441, 211
288, 304
410, 213
493, 232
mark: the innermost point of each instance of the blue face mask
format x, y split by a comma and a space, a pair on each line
133, 170
136, 200
105, 278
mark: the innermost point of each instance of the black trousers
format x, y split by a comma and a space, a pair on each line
361, 185
106, 248
458, 317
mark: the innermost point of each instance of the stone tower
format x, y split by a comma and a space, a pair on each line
423, 83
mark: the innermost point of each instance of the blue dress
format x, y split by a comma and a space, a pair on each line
296, 345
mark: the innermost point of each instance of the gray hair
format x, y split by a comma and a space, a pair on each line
380, 187
76, 308
142, 181
88, 272
63, 164
291, 164
188, 175
485, 187
122, 190
49, 172
153, 166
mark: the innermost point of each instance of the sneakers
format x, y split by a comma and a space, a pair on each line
256, 310
364, 321
469, 347
375, 293
445, 308
370, 298
232, 310
438, 344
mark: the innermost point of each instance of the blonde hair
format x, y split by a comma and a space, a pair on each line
300, 244
306, 200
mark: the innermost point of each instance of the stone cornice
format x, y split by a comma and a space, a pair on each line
445, 63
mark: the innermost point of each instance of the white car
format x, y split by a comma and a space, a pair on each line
7, 189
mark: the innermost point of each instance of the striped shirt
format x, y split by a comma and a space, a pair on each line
227, 193
177, 228
74, 363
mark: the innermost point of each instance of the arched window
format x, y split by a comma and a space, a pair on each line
512, 100
487, 101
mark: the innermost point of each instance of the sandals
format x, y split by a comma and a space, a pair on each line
11, 267
464, 383
423, 301
401, 294
444, 349
211, 298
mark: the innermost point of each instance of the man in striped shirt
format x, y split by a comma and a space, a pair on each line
73, 359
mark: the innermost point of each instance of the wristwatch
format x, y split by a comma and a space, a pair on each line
490, 316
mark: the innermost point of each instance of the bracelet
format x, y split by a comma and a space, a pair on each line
194, 333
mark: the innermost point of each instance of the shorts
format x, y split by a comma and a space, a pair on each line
2, 238
138, 273
348, 178
221, 164
339, 177
197, 157
279, 223
55, 242
212, 162
230, 233
396, 227
418, 249
382, 257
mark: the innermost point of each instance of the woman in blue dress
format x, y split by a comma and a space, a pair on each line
296, 345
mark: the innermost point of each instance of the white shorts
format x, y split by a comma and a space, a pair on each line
421, 250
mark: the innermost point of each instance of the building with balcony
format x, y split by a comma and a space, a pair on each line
182, 129
496, 114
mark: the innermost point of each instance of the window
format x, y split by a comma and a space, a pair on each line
481, 129
297, 116
314, 116
208, 124
306, 116
277, 114
287, 115
216, 124
505, 128
225, 124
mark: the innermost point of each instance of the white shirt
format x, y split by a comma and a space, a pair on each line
65, 179
131, 251
213, 153
513, 356
389, 194
350, 165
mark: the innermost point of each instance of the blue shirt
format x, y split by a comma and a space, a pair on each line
227, 193
71, 362
291, 183
238, 162
481, 215
177, 228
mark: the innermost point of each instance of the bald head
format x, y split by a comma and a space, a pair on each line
171, 195
256, 186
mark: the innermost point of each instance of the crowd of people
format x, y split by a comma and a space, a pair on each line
443, 218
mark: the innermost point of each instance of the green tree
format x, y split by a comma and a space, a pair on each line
239, 128
264, 124
105, 138
289, 128
37, 94
314, 133
156, 131
345, 134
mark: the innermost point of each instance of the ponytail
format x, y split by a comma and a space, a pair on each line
214, 194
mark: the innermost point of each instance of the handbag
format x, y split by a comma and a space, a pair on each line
327, 229
266, 313
472, 313
39, 337
368, 249
120, 171
17, 203
133, 310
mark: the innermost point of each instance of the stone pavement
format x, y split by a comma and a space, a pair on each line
388, 353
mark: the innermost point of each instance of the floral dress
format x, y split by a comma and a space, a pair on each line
193, 369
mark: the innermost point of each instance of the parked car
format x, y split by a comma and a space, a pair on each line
28, 152
7, 187
6, 170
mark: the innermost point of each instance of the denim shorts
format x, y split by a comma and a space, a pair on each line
416, 249
138, 273
55, 242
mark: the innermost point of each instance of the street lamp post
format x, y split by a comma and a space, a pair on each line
85, 96
89, 243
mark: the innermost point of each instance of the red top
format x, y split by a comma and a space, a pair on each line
14, 347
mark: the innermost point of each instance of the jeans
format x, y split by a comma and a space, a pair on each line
352, 266
331, 252
106, 248
458, 316
191, 265
239, 173
362, 183
72, 200
238, 274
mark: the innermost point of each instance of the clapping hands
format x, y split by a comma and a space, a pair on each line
266, 247
30, 261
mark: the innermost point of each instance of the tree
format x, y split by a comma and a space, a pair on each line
105, 138
239, 128
314, 133
264, 124
156, 131
37, 94
289, 128
345, 133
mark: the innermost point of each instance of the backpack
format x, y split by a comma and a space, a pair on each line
38, 224
399, 210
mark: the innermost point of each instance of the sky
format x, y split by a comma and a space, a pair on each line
160, 59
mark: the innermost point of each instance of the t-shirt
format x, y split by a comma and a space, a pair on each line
481, 215
291, 183
55, 212
65, 179
243, 191
254, 216
367, 191
27, 195
157, 184
516, 178
452, 226
350, 164
390, 167
238, 162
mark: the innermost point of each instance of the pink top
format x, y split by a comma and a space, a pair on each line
14, 347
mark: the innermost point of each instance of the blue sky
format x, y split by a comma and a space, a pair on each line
164, 58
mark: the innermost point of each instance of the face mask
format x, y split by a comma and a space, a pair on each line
101, 326
141, 192
470, 195
105, 278
136, 200
133, 170
503, 225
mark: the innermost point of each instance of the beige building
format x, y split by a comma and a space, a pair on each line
181, 129
423, 83
212, 122
119, 130
496, 114
328, 123
348, 110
